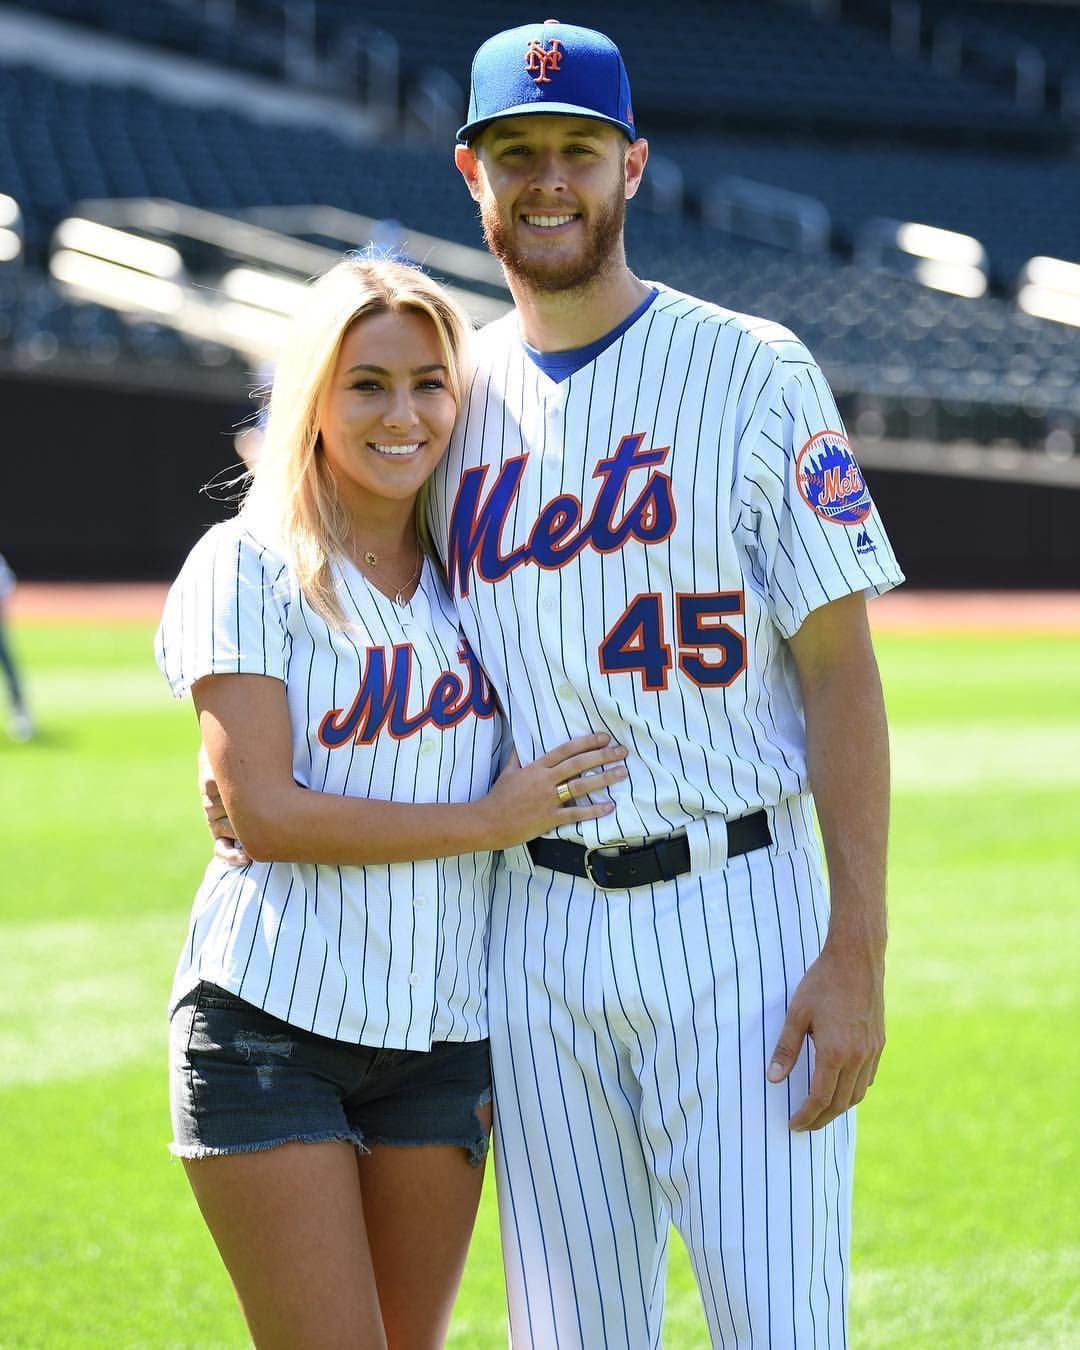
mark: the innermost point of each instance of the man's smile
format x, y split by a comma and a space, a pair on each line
547, 222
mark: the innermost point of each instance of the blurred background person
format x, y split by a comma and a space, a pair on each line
21, 725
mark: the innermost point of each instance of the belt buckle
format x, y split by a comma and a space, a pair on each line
600, 848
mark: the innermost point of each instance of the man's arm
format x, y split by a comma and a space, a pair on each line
840, 1000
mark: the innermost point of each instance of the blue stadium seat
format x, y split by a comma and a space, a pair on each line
1001, 29
1000, 198
62, 141
769, 62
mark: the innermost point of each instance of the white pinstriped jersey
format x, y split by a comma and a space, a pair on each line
630, 547
393, 707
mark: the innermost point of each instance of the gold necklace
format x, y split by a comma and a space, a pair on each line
372, 560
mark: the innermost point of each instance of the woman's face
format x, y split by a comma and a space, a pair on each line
387, 413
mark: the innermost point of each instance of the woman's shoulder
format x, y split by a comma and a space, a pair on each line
235, 564
241, 542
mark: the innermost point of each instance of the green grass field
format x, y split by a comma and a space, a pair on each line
968, 1200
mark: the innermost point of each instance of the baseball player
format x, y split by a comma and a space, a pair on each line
330, 1076
653, 524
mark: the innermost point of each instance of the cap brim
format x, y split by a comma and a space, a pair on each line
471, 129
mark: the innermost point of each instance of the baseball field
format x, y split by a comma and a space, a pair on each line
968, 1197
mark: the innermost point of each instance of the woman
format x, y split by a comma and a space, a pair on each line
330, 1083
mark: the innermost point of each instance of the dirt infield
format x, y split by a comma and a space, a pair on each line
899, 611
976, 611
87, 602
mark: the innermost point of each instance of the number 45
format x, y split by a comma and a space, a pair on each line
636, 639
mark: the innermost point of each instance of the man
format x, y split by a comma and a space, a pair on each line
654, 525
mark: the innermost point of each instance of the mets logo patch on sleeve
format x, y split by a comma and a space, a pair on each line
830, 481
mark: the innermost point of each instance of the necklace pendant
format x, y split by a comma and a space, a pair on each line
371, 559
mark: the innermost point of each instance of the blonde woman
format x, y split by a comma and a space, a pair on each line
329, 1068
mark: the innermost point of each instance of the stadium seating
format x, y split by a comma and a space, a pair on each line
40, 330
178, 27
766, 63
1001, 29
64, 141
1000, 198
873, 332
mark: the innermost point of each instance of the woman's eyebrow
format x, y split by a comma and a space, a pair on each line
381, 370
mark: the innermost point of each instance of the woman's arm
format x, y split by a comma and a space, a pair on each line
244, 721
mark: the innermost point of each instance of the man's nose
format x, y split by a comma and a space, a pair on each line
548, 172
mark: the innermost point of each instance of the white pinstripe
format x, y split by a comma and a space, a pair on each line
391, 955
626, 1098
739, 398
630, 1031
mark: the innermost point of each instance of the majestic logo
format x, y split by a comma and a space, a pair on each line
540, 59
863, 543
383, 697
830, 481
561, 531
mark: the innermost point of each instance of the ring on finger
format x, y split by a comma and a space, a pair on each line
564, 794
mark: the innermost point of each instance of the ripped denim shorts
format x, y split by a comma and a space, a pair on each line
241, 1080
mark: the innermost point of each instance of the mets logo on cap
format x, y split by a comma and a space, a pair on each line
540, 59
830, 481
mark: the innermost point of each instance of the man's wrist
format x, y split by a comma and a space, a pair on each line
858, 928
858, 945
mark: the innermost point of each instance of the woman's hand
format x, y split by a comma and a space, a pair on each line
530, 800
227, 848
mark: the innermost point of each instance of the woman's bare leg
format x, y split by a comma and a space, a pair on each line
420, 1204
289, 1224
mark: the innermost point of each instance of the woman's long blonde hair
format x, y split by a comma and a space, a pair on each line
292, 496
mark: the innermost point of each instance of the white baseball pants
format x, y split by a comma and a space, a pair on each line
630, 1035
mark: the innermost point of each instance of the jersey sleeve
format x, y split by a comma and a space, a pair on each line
226, 613
806, 517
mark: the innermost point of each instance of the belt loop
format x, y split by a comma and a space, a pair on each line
708, 841
792, 823
518, 859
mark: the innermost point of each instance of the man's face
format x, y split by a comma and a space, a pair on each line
552, 192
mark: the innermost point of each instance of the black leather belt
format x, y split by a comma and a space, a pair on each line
640, 864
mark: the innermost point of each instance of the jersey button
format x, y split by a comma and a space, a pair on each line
414, 980
566, 691
427, 744
420, 901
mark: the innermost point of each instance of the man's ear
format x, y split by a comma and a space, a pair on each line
469, 167
636, 155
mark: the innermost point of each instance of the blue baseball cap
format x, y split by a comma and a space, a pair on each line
548, 67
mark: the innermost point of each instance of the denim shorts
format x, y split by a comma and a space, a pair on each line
241, 1080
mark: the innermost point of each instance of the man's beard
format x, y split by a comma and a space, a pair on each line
557, 274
